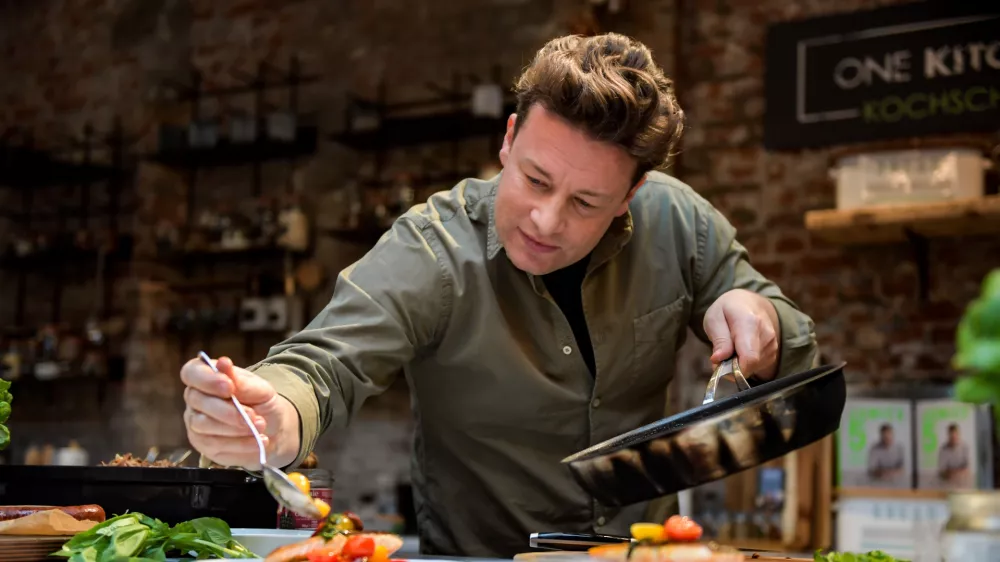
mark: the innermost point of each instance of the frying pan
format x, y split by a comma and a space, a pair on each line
715, 440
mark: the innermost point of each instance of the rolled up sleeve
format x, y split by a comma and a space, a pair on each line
385, 309
722, 264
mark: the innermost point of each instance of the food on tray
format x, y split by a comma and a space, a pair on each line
340, 538
134, 535
677, 540
301, 482
5, 401
79, 512
128, 460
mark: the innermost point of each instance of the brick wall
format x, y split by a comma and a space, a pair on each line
865, 304
65, 63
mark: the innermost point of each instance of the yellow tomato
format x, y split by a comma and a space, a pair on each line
322, 506
300, 481
648, 531
381, 554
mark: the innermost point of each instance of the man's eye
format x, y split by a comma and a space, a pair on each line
534, 181
584, 204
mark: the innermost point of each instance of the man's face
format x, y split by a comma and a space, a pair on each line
953, 437
887, 436
559, 192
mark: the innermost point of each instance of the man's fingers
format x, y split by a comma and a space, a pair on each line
747, 329
200, 376
717, 329
203, 424
222, 411
229, 451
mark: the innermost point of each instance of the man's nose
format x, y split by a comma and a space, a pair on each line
547, 217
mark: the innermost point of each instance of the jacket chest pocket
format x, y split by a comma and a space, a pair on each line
656, 336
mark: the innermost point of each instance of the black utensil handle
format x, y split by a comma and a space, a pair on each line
572, 541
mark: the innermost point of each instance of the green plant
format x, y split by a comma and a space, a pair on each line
977, 344
134, 537
5, 400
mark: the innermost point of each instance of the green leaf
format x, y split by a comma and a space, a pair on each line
4, 411
4, 437
4, 385
984, 315
981, 356
212, 529
991, 285
977, 390
128, 541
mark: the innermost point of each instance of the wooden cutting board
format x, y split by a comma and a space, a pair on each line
567, 556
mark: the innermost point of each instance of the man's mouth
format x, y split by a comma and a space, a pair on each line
535, 245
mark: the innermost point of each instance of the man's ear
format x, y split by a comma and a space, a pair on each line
630, 195
508, 139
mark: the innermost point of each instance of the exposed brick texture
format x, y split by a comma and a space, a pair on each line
65, 63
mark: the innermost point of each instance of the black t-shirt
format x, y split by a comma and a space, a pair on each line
566, 287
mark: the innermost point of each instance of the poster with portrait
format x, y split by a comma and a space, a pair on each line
951, 454
875, 444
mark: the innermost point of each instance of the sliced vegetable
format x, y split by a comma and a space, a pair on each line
653, 532
300, 481
323, 556
358, 547
680, 528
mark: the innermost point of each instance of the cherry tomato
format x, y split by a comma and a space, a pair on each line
322, 506
683, 529
358, 547
300, 481
648, 531
381, 554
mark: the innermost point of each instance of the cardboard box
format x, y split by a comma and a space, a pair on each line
875, 444
954, 445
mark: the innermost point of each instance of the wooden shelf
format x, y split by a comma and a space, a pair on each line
403, 131
229, 154
900, 223
891, 494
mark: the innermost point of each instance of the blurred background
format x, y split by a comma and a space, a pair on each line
178, 175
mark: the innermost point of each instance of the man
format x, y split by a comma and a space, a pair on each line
953, 460
534, 314
886, 457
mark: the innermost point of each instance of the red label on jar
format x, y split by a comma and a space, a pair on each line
289, 520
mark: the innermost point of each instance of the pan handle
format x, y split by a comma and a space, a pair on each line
572, 541
727, 367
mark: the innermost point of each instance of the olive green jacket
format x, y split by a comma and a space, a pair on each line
499, 391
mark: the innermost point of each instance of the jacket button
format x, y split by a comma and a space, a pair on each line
567, 349
596, 402
601, 520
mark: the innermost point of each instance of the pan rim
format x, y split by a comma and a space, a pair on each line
713, 410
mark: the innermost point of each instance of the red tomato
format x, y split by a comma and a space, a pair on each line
682, 529
358, 547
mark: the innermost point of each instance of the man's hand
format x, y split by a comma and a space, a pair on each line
750, 322
217, 430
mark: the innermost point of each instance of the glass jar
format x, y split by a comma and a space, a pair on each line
321, 487
973, 528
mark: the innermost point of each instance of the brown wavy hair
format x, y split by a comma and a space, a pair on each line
609, 86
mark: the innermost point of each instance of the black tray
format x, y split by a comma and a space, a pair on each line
169, 494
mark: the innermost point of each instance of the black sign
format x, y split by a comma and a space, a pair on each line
906, 71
